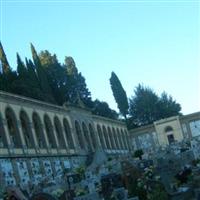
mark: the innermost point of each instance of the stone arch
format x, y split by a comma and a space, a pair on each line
86, 136
68, 134
115, 138
106, 137
3, 141
110, 135
92, 136
13, 128
38, 127
79, 135
59, 132
26, 129
49, 131
101, 138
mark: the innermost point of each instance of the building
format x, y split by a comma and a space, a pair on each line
166, 131
39, 140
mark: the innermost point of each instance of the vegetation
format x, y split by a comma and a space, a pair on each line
146, 106
146, 187
119, 94
81, 171
4, 61
158, 192
102, 108
196, 162
183, 176
46, 79
138, 154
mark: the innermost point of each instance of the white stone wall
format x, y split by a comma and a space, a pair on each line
195, 128
8, 177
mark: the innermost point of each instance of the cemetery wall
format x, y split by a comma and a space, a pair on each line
39, 140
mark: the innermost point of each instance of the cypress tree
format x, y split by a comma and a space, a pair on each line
4, 61
31, 71
33, 81
71, 66
42, 76
8, 76
76, 84
119, 94
35, 57
56, 75
21, 68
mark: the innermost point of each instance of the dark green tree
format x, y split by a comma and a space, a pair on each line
168, 106
42, 76
138, 154
7, 76
21, 68
76, 86
56, 76
33, 81
102, 108
146, 106
19, 85
4, 62
8, 80
31, 71
119, 94
47, 80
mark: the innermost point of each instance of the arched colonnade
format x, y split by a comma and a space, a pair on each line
44, 131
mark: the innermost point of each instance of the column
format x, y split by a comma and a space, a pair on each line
6, 131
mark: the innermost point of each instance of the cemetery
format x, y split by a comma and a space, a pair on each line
172, 173
85, 113
98, 158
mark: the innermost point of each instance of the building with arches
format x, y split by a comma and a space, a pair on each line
38, 139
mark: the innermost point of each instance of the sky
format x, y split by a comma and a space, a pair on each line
155, 43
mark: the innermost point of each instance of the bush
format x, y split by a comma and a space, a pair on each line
183, 176
138, 154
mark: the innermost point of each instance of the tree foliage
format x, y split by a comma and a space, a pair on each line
77, 84
138, 153
56, 76
146, 106
4, 62
45, 78
119, 94
42, 76
167, 106
102, 108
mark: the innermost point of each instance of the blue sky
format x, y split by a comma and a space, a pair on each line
151, 42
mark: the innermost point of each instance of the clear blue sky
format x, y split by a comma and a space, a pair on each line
149, 42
